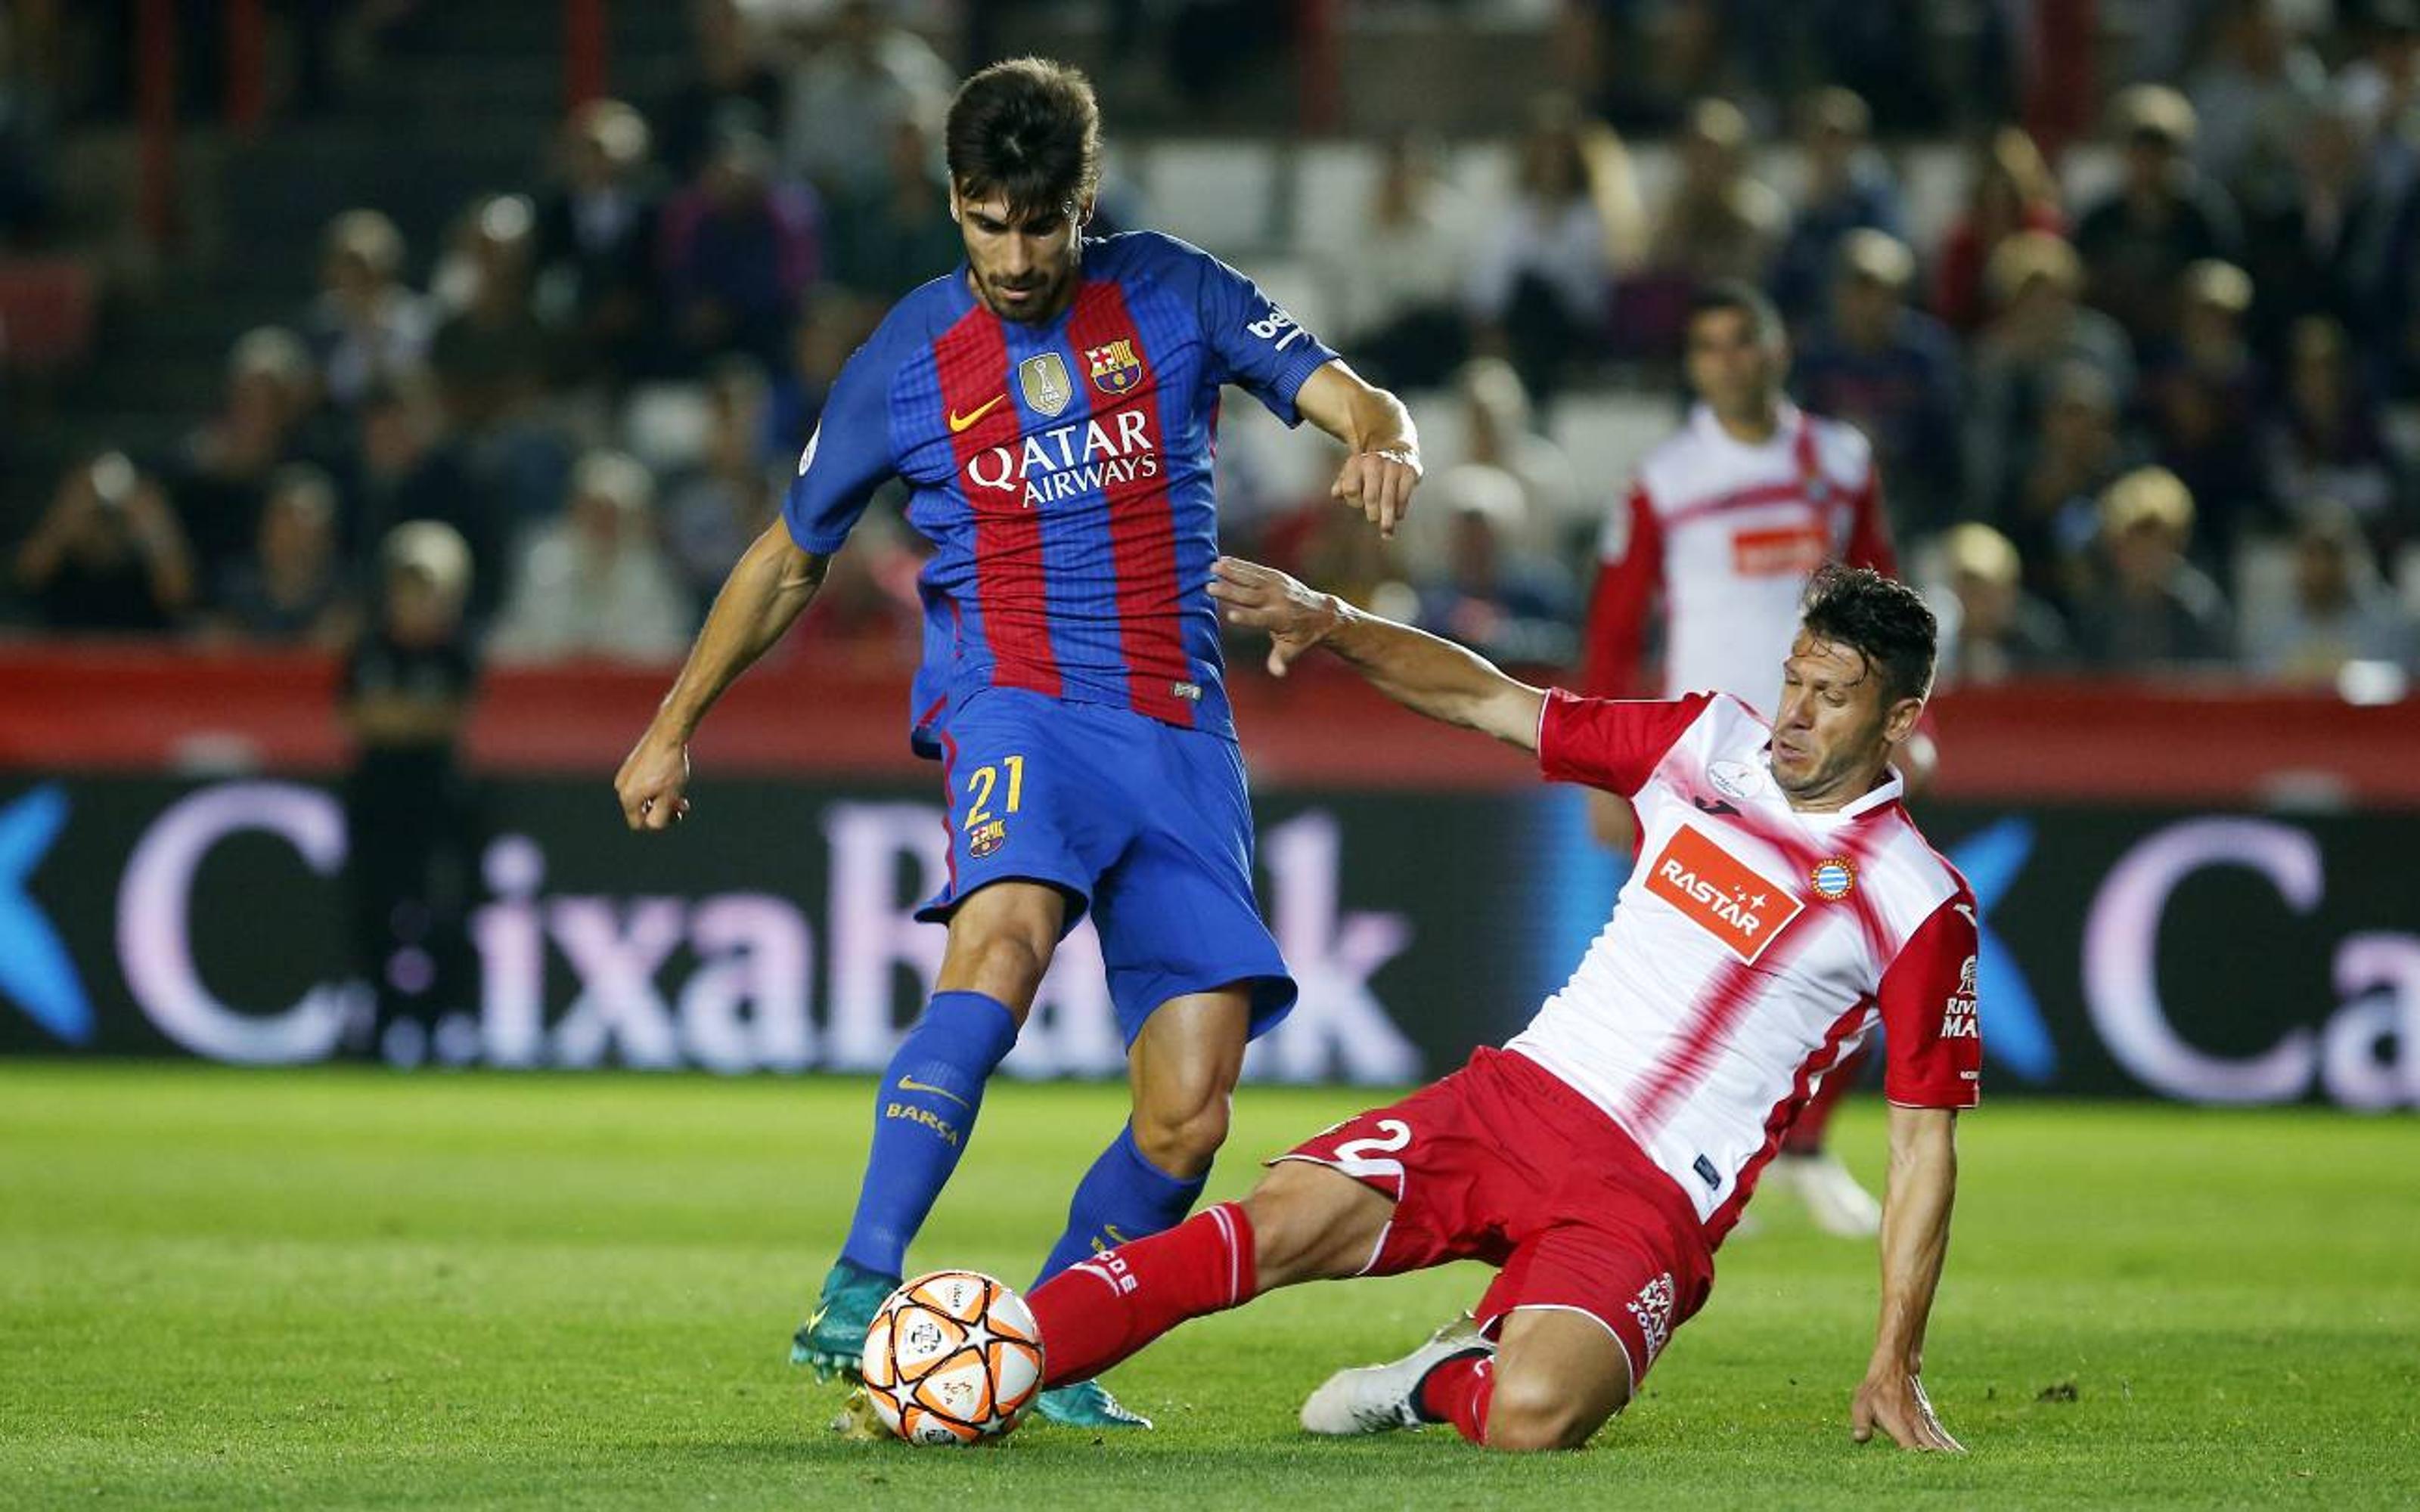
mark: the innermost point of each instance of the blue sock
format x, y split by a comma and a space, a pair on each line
924, 1114
1123, 1197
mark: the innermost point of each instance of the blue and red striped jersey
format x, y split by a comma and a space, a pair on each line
1063, 470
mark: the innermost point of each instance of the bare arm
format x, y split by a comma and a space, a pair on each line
1384, 465
39, 556
166, 555
1613, 820
1916, 1239
168, 562
1415, 669
768, 588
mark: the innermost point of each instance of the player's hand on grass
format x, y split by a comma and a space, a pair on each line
1379, 483
1894, 1402
1264, 598
650, 781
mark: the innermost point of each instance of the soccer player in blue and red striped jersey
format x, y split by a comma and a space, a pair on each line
1052, 403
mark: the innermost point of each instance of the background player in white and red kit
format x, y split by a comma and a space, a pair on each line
1725, 521
1786, 904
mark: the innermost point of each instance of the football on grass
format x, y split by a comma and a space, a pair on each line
952, 1357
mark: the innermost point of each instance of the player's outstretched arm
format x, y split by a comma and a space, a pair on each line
770, 587
1916, 1238
1384, 465
1415, 669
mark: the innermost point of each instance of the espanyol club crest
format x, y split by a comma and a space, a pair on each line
1045, 382
1115, 367
1834, 879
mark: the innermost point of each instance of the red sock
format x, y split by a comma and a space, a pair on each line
1458, 1392
1805, 1136
1096, 1314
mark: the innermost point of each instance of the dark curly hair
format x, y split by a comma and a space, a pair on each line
1027, 128
1885, 620
1744, 299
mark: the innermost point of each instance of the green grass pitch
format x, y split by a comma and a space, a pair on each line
343, 1289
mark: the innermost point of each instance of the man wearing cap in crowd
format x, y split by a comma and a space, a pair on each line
1891, 371
2162, 218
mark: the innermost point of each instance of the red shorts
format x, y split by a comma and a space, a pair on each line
1502, 1162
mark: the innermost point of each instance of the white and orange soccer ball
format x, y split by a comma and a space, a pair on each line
952, 1357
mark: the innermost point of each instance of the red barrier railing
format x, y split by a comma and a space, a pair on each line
155, 116
120, 707
584, 52
246, 79
1320, 68
2060, 38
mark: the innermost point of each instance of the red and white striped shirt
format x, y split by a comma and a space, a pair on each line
1726, 534
1752, 949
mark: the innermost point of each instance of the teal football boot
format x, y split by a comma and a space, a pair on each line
1087, 1404
830, 1342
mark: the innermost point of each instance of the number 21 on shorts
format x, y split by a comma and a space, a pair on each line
983, 779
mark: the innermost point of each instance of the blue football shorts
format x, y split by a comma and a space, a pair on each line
1145, 825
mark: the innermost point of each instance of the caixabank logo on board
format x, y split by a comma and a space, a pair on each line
2365, 1054
2115, 958
144, 916
737, 981
36, 973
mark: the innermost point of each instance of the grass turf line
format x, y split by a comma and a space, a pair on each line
333, 1288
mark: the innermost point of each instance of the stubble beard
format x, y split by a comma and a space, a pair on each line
1050, 299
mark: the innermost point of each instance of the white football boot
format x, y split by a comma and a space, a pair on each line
1378, 1399
856, 1421
1834, 1200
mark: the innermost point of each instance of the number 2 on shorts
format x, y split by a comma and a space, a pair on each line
983, 779
1362, 1157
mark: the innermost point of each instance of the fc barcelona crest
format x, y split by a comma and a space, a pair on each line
1115, 368
1045, 385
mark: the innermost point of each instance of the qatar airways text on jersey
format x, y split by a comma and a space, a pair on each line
1062, 472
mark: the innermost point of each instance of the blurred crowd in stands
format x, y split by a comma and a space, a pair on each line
2162, 420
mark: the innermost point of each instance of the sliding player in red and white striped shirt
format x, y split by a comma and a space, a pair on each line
1725, 520
1784, 906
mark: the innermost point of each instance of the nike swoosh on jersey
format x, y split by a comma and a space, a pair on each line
909, 1084
959, 421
